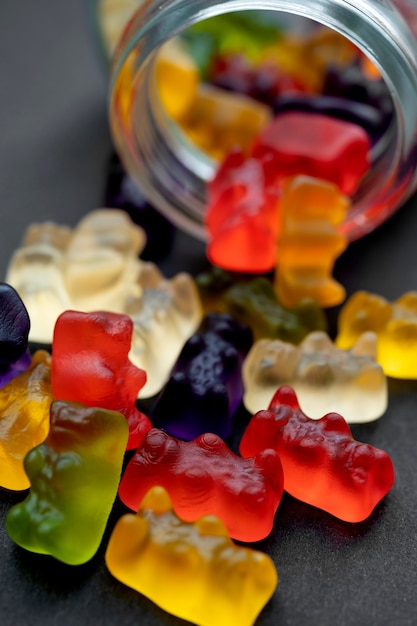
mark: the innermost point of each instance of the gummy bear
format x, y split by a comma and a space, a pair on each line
205, 386
191, 570
220, 120
90, 365
164, 317
205, 477
315, 145
324, 378
242, 216
14, 331
101, 261
368, 117
74, 476
323, 465
92, 267
311, 210
177, 78
24, 418
395, 325
255, 303
35, 270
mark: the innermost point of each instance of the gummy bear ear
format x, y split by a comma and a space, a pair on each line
158, 500
211, 526
366, 345
285, 395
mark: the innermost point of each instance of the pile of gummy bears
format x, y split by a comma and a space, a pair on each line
73, 431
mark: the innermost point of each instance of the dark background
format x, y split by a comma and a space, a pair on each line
54, 150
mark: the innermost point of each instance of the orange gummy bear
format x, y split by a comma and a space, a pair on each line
311, 209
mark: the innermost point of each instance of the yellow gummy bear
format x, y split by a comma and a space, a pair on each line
24, 419
191, 570
177, 78
220, 120
395, 325
309, 241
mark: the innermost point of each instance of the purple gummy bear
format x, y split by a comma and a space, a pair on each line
14, 333
351, 84
205, 385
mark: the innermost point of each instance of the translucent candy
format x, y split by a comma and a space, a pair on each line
168, 312
24, 419
395, 325
205, 385
74, 476
192, 570
323, 464
311, 210
325, 379
90, 365
14, 332
93, 267
205, 477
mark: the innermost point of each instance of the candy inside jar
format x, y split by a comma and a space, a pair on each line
188, 90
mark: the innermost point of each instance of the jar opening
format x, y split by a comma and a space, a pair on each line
172, 168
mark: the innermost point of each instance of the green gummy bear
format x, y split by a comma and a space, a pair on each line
74, 478
253, 302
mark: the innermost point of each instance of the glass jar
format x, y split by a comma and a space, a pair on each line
172, 173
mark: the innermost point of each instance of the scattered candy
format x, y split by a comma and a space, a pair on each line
311, 210
395, 325
323, 465
90, 365
205, 386
192, 570
324, 378
14, 332
330, 104
204, 477
95, 267
24, 419
74, 476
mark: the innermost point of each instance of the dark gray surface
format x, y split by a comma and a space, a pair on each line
54, 146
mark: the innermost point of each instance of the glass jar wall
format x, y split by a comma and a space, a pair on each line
173, 172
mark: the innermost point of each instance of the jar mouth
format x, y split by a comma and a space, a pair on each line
172, 172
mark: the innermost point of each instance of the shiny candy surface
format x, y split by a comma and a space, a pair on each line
14, 332
311, 210
315, 145
394, 323
24, 419
204, 477
74, 476
95, 369
324, 377
192, 570
323, 464
205, 386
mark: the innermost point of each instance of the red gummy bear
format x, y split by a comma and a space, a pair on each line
90, 365
323, 465
315, 145
204, 477
242, 216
